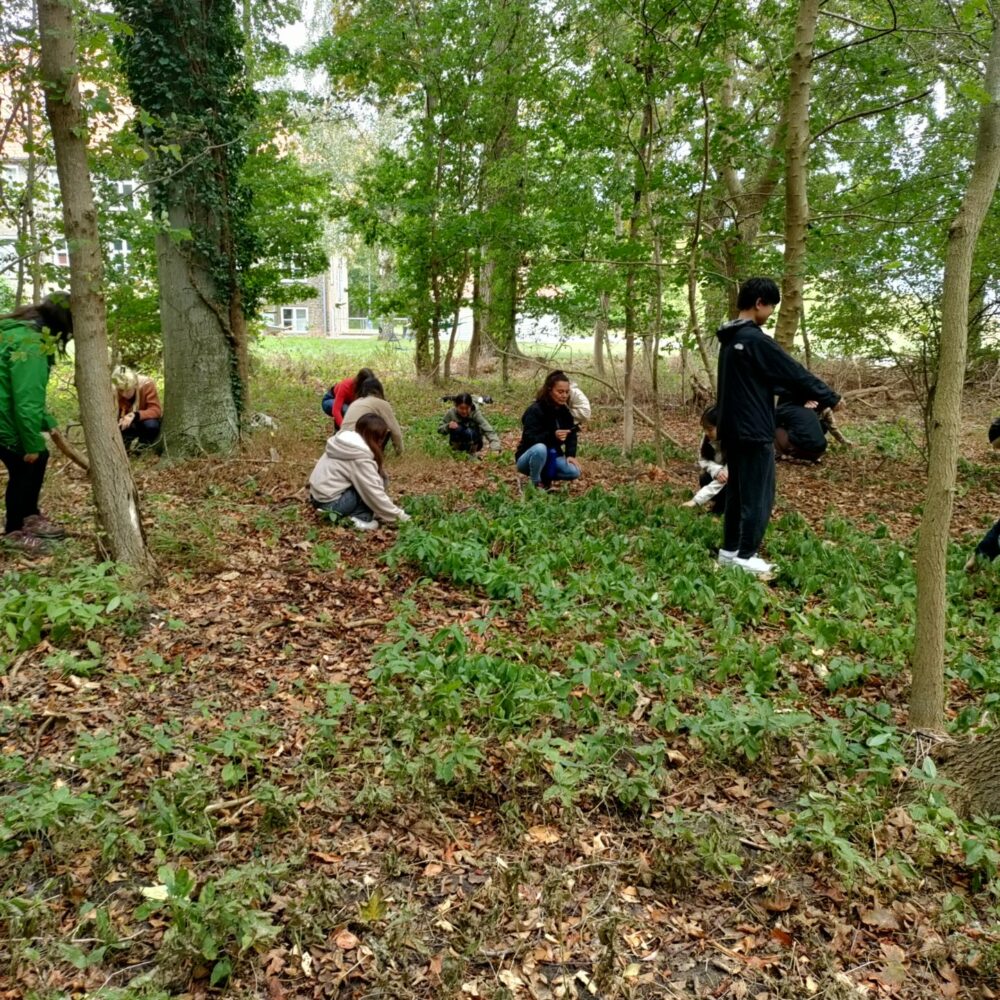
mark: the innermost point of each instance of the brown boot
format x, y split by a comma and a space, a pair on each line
28, 544
40, 526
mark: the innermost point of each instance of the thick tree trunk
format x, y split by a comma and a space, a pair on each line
201, 369
115, 496
797, 172
974, 767
927, 692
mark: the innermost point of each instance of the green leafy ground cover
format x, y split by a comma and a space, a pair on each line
524, 747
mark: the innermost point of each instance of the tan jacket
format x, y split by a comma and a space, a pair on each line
145, 401
372, 404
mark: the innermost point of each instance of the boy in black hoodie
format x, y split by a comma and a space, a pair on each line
751, 368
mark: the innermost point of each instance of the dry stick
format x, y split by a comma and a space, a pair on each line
644, 417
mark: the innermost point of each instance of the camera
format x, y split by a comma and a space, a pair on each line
478, 400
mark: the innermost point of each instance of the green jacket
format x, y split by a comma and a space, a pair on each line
25, 362
474, 419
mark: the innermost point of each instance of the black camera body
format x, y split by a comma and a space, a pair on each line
478, 400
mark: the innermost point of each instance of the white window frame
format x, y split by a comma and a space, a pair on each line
295, 318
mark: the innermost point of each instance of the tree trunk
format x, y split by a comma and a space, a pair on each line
200, 366
201, 120
974, 767
115, 497
927, 692
797, 172
638, 194
601, 332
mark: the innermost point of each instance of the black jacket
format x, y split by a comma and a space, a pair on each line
752, 367
539, 424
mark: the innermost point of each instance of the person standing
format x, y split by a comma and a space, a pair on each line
751, 369
29, 339
139, 409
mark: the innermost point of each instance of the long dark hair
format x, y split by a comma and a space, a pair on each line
51, 314
545, 393
373, 430
371, 387
463, 399
361, 378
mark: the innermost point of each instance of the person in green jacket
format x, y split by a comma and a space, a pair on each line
467, 428
29, 339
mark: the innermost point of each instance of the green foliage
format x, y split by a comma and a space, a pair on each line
33, 606
196, 111
217, 922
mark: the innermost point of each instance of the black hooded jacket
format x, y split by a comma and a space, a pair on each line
752, 367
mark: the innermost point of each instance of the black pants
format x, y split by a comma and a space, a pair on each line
466, 439
989, 547
24, 486
147, 431
749, 497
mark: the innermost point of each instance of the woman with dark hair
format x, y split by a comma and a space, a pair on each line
349, 479
340, 396
371, 399
467, 428
29, 339
547, 449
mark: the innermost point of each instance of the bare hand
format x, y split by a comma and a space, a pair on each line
573, 461
126, 421
562, 435
723, 477
689, 503
810, 404
453, 425
32, 458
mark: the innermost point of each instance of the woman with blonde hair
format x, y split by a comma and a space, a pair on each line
139, 409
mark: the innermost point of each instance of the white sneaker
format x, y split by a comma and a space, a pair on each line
755, 565
360, 522
726, 557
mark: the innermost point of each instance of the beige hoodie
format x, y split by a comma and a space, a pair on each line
348, 461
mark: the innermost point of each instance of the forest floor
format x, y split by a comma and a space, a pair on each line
524, 747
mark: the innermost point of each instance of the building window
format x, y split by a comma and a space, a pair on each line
118, 251
292, 269
125, 191
295, 318
8, 256
269, 318
61, 255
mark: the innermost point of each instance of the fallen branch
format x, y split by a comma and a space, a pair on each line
215, 807
68, 450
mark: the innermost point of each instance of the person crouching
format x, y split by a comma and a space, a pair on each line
467, 429
139, 409
349, 479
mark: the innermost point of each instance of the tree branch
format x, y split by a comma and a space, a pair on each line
868, 112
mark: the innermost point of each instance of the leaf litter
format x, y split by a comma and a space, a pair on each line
218, 739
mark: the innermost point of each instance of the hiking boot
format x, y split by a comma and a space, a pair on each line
756, 566
41, 527
726, 557
360, 522
28, 544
